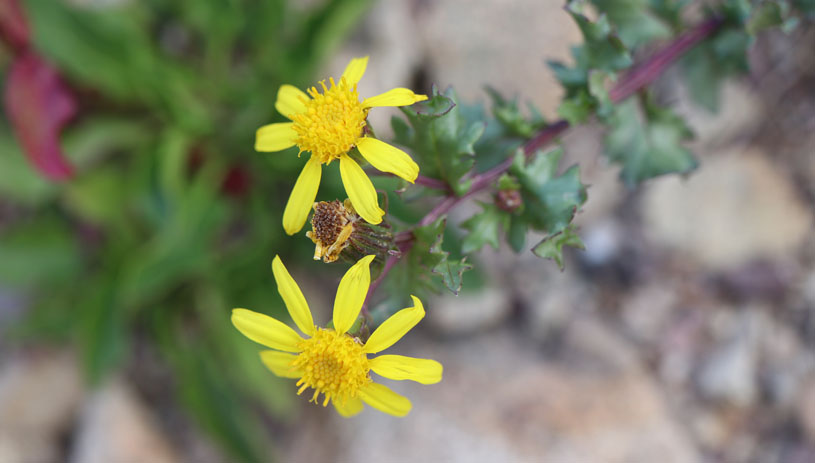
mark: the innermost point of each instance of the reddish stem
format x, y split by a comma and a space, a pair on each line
636, 79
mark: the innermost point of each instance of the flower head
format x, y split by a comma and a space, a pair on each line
328, 125
338, 230
331, 361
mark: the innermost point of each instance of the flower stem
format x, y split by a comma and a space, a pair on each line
639, 77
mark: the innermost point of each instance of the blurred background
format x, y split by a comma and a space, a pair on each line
684, 332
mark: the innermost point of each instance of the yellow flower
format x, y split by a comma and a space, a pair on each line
331, 361
328, 125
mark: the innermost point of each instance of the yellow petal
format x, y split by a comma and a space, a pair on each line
393, 97
350, 408
382, 398
280, 363
360, 190
302, 196
392, 329
275, 137
355, 69
388, 158
265, 330
290, 100
399, 367
351, 294
293, 297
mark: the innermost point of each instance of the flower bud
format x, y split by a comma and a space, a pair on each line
508, 200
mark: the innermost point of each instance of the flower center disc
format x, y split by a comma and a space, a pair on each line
332, 122
333, 364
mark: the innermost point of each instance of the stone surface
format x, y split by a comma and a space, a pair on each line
510, 57
116, 427
806, 408
39, 393
729, 372
739, 113
736, 208
470, 312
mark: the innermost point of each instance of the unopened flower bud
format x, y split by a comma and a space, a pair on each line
508, 200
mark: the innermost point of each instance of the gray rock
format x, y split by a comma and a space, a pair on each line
736, 208
116, 427
728, 374
39, 393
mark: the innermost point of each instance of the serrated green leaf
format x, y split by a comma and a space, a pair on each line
508, 182
440, 138
597, 89
551, 247
429, 254
550, 201
572, 79
602, 49
485, 228
646, 141
577, 108
509, 116
635, 23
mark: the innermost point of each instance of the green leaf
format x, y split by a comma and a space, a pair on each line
597, 89
516, 237
19, 180
440, 138
707, 65
550, 201
509, 116
209, 394
38, 253
577, 108
181, 245
635, 23
427, 249
602, 49
551, 247
99, 197
646, 141
670, 11
485, 228
767, 15
103, 335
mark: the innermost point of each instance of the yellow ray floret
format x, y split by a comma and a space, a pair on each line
330, 361
328, 123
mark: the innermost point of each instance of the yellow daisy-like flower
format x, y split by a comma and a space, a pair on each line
331, 361
328, 125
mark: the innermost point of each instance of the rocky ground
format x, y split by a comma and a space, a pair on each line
685, 332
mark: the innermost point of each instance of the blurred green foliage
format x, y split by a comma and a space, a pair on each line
173, 218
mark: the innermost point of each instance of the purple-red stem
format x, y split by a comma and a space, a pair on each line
633, 81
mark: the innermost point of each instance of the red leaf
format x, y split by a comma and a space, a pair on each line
38, 105
13, 26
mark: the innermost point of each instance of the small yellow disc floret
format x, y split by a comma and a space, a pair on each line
333, 364
332, 122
